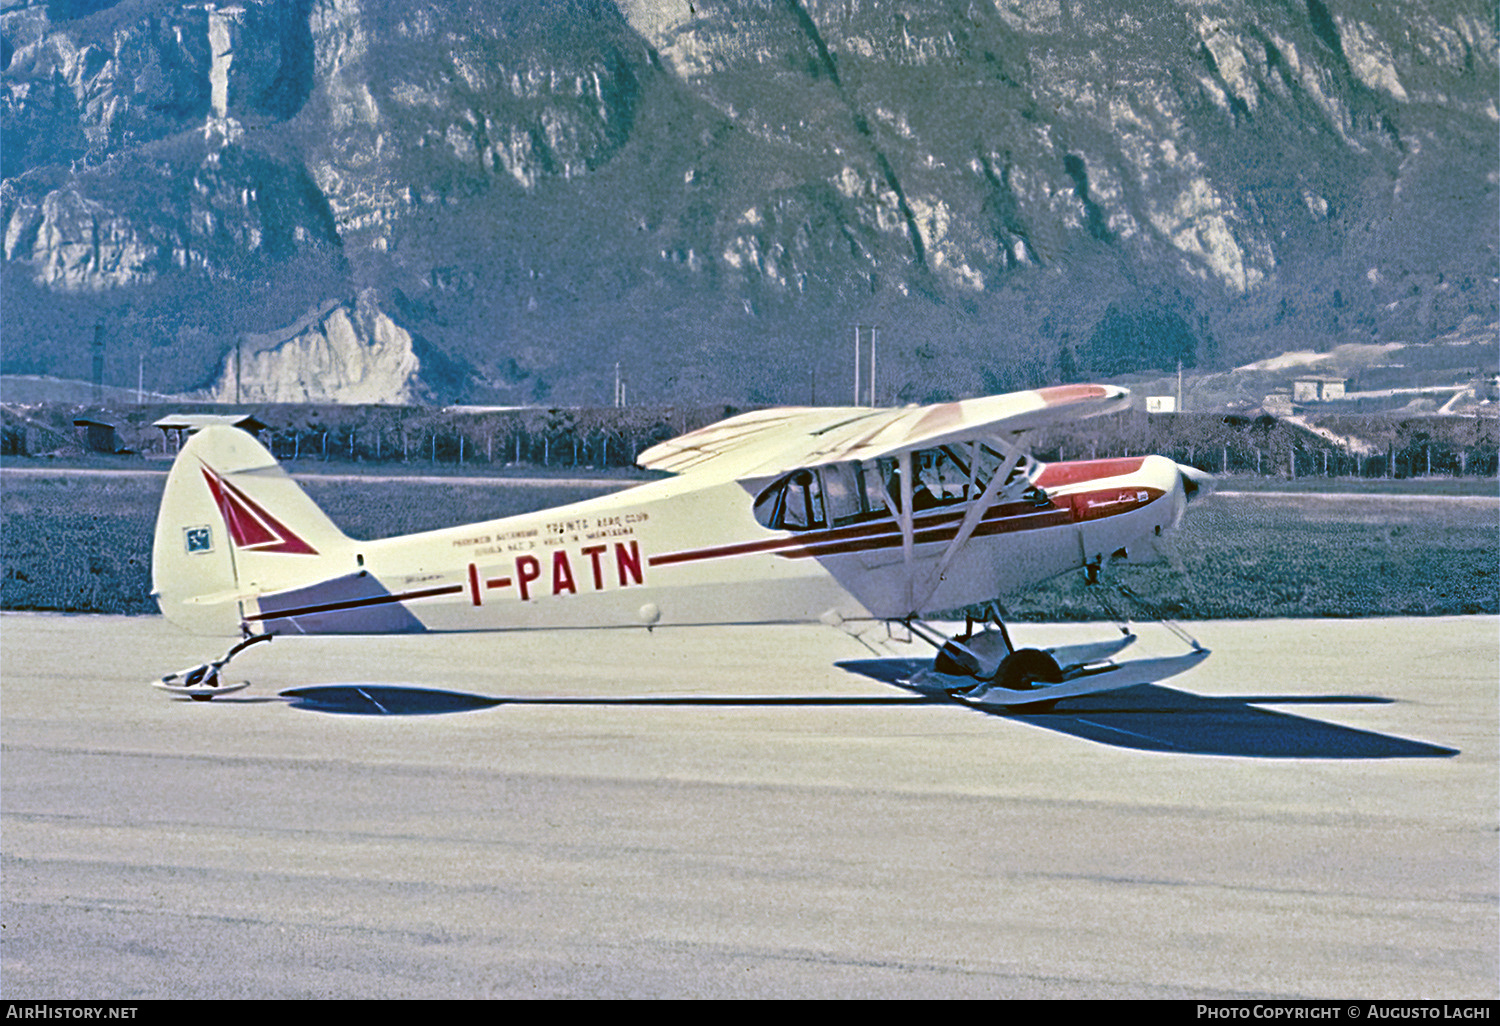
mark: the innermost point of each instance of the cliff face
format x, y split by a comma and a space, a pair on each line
530, 194
345, 353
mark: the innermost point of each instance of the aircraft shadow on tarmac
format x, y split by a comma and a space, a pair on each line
411, 700
1155, 718
1148, 717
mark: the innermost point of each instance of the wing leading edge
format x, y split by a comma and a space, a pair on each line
767, 443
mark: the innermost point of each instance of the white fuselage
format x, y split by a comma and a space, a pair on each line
680, 552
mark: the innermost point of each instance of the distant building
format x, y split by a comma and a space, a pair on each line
1315, 390
1277, 404
1161, 404
98, 435
178, 425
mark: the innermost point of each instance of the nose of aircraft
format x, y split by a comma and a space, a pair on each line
1195, 483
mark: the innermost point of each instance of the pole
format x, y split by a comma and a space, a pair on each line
856, 365
98, 363
872, 365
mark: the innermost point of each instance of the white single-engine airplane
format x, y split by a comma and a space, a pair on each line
853, 517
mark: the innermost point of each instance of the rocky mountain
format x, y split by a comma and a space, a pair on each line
506, 200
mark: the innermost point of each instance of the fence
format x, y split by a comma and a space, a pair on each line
1373, 447
484, 448
609, 438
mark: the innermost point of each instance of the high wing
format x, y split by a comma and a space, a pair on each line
767, 443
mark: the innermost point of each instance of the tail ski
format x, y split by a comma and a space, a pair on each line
232, 525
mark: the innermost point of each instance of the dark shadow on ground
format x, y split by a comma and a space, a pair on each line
402, 700
1147, 717
1154, 718
384, 700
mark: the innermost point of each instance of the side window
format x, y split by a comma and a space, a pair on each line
941, 478
847, 493
804, 502
794, 503
937, 480
841, 493
886, 482
953, 477
871, 488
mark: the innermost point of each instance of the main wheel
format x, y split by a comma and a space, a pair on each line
1021, 669
952, 662
989, 647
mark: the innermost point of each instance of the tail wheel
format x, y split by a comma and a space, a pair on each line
1020, 670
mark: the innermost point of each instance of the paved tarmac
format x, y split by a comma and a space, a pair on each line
1312, 812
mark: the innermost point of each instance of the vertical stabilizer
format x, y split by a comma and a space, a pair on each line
232, 524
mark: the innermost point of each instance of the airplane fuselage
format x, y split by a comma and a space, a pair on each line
677, 552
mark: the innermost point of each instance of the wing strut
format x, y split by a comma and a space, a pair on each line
906, 517
1014, 454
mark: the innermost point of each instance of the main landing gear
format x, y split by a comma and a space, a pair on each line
201, 683
982, 666
974, 662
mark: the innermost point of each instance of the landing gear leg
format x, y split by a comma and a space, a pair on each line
1171, 625
201, 683
1091, 577
997, 617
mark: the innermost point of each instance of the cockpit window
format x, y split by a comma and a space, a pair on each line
848, 493
841, 492
795, 503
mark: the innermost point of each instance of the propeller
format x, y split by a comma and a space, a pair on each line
1195, 483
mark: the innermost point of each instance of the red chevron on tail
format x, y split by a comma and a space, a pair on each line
250, 525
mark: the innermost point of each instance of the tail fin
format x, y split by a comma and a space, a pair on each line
232, 524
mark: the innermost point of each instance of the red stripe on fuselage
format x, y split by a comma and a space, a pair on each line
1060, 475
374, 600
882, 533
988, 527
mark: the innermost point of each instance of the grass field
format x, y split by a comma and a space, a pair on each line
82, 543
1301, 555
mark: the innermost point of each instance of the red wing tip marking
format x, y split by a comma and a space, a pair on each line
1061, 395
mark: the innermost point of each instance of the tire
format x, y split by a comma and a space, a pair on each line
948, 663
1021, 669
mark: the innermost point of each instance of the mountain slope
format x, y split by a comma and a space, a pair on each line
713, 196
